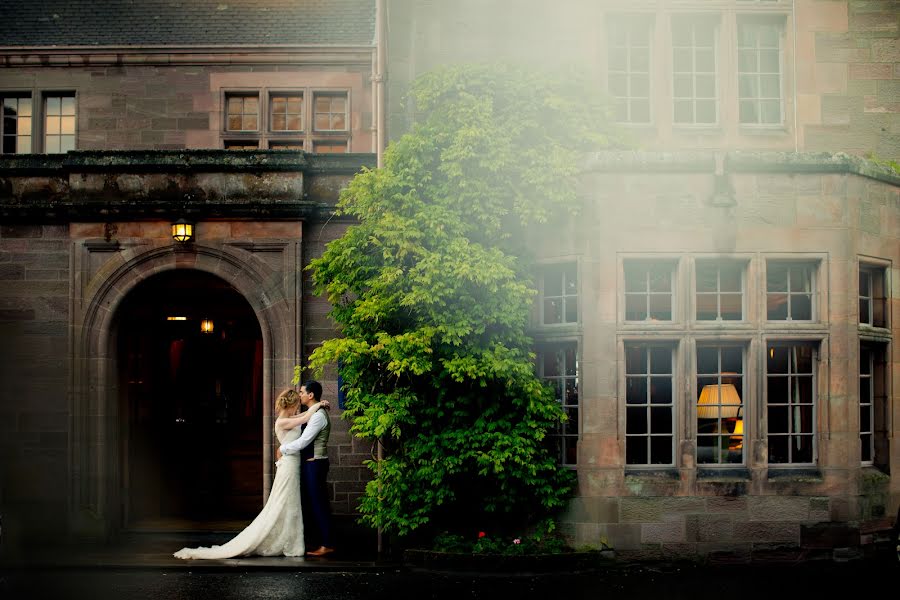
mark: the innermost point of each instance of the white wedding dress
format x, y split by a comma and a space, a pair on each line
278, 529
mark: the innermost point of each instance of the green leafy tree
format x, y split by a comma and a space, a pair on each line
431, 291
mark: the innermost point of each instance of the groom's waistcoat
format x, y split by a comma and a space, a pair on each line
320, 442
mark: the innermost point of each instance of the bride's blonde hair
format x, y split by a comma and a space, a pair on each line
287, 399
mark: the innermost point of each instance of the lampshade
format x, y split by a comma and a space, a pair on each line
207, 326
736, 442
182, 231
712, 396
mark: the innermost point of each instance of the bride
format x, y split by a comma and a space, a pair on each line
278, 529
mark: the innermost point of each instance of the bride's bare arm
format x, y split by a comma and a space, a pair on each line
292, 422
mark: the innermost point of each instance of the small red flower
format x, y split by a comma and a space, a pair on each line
481, 534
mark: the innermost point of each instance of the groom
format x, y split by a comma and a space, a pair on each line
313, 448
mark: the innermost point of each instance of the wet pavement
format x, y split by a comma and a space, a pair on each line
675, 582
142, 567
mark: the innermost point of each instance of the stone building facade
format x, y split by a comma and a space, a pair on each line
118, 413
719, 322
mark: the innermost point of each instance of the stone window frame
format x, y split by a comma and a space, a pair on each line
39, 115
5, 98
877, 314
677, 296
47, 132
714, 23
746, 263
541, 297
265, 137
616, 23
565, 432
777, 21
874, 400
674, 347
723, 376
815, 344
817, 288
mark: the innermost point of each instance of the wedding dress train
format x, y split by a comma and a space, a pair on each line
278, 529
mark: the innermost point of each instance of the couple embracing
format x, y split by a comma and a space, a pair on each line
301, 473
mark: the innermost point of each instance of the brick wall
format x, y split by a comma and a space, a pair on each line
34, 375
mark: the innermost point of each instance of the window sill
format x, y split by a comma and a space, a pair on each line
724, 474
650, 472
762, 130
794, 475
874, 334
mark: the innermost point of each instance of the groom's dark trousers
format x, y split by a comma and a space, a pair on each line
314, 477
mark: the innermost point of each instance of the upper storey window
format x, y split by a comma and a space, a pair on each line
694, 98
759, 73
720, 291
790, 291
628, 56
872, 295
331, 112
287, 112
16, 125
243, 113
59, 123
280, 120
648, 291
559, 294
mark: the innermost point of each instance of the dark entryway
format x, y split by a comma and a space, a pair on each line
191, 403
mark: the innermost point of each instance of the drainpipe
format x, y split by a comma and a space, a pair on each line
380, 28
794, 74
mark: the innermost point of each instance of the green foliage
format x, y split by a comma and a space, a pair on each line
431, 292
541, 538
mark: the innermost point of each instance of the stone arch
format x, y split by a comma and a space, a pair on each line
273, 295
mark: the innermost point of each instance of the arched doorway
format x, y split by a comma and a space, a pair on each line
190, 403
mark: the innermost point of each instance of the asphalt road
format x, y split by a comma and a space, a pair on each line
819, 580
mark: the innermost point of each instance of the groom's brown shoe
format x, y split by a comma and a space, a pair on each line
322, 551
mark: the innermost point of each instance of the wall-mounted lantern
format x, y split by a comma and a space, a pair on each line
183, 231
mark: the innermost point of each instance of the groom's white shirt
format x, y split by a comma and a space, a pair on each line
313, 427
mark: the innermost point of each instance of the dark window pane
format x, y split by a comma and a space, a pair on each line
661, 450
661, 419
866, 447
778, 449
803, 454
661, 390
636, 390
636, 420
636, 450
801, 307
865, 419
732, 360
660, 360
802, 356
571, 310
777, 361
635, 359
776, 307
707, 360
778, 419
